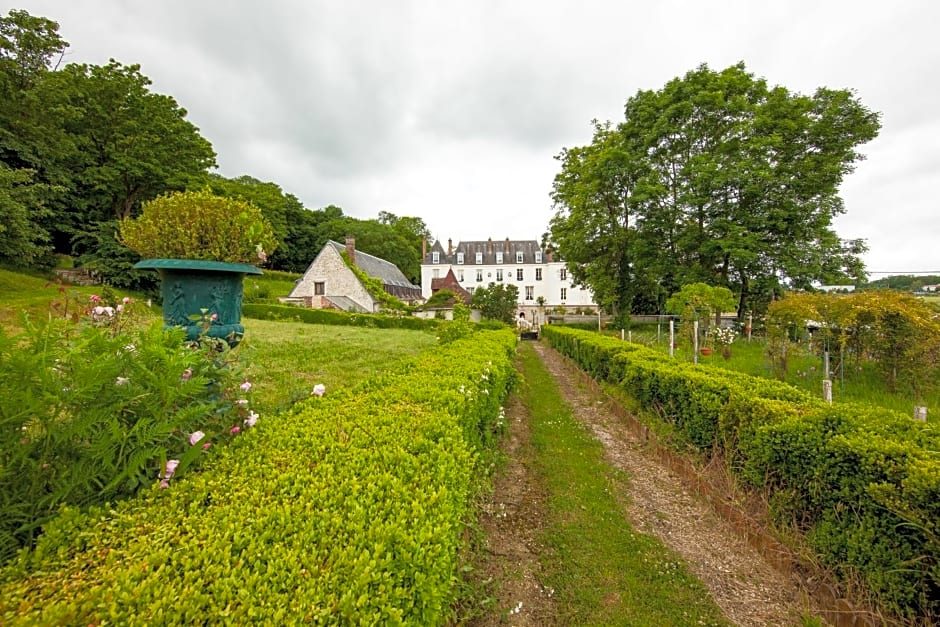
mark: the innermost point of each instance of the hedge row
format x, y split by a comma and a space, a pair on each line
348, 509
862, 483
263, 311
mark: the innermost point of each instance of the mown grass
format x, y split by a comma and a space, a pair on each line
602, 571
32, 294
286, 359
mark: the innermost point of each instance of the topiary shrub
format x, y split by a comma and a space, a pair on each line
200, 225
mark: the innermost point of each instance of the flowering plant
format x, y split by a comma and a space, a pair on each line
200, 225
723, 336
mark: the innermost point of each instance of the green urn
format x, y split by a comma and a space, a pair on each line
200, 293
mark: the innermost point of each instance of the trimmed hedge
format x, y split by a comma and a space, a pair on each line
348, 509
263, 311
862, 483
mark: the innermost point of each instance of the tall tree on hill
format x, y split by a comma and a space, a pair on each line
29, 47
715, 178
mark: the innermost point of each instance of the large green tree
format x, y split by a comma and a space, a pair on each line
96, 137
497, 301
714, 178
29, 47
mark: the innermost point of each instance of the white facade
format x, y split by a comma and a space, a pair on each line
514, 262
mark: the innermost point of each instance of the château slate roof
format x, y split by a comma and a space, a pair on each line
489, 248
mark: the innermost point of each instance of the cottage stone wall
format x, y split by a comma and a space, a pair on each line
337, 278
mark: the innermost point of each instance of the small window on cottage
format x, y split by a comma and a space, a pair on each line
538, 256
460, 259
479, 258
564, 274
319, 288
564, 293
519, 256
435, 257
499, 274
518, 274
479, 276
538, 274
529, 292
499, 257
460, 275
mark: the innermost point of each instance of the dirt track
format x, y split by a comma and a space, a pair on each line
744, 585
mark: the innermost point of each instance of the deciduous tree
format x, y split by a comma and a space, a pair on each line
715, 178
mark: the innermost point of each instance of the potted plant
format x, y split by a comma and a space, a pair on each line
202, 245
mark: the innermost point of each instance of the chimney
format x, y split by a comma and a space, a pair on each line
351, 249
506, 246
450, 247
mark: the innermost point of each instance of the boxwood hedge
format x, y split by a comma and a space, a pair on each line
349, 509
862, 483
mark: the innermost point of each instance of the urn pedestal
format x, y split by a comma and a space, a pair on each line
197, 292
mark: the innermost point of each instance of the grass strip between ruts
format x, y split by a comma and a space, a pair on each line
603, 572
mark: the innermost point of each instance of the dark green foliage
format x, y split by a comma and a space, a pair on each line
23, 240
716, 178
99, 250
94, 405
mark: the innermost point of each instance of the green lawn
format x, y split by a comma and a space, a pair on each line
288, 358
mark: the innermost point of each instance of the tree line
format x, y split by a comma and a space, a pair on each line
82, 146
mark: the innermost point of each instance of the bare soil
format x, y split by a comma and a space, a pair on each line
657, 500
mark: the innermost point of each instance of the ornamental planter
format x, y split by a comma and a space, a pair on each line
193, 291
706, 351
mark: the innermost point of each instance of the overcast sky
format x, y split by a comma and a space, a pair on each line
453, 111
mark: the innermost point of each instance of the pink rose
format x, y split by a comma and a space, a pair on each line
319, 389
245, 386
251, 419
206, 446
195, 437
187, 374
235, 430
171, 465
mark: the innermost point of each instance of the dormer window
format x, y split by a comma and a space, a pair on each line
519, 256
460, 259
538, 256
479, 258
499, 257
435, 257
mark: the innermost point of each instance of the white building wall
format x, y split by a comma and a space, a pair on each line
338, 280
549, 287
